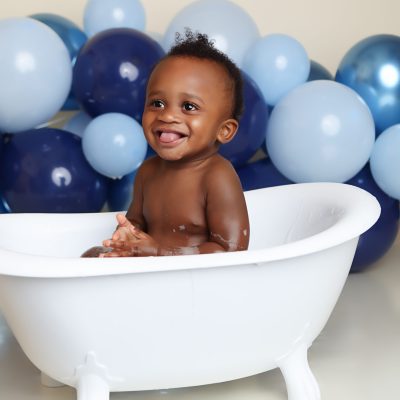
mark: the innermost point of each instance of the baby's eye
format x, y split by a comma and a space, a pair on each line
157, 103
189, 106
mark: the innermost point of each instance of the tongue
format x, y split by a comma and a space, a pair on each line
167, 137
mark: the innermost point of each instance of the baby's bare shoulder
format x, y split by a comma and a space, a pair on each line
220, 167
222, 177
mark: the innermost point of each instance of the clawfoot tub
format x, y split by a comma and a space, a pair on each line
126, 324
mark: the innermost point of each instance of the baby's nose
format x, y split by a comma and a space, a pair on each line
169, 114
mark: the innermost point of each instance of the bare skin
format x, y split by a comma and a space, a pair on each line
187, 199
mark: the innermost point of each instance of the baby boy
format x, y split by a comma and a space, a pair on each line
187, 199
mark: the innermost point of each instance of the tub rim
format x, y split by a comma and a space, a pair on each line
362, 210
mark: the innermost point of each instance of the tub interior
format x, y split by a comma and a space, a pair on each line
277, 216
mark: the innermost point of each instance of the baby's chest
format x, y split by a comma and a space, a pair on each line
175, 208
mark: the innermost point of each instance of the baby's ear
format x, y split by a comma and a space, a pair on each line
227, 131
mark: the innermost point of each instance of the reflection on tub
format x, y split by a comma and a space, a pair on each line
127, 324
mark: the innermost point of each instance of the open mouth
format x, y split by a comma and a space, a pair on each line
170, 137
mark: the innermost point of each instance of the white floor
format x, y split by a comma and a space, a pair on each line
357, 356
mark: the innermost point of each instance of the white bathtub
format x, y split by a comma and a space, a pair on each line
126, 324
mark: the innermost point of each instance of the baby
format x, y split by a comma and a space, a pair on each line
187, 199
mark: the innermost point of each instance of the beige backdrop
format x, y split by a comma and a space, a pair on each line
326, 28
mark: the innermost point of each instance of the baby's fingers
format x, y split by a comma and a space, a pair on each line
115, 254
123, 221
115, 244
138, 233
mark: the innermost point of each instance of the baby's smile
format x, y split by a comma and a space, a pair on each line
170, 137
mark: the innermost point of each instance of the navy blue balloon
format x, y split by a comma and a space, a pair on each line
252, 127
111, 72
44, 170
72, 36
120, 193
318, 71
375, 242
3, 206
260, 174
372, 69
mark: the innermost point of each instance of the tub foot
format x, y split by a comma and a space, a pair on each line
92, 387
47, 381
300, 381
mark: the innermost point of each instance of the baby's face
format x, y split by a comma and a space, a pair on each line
187, 102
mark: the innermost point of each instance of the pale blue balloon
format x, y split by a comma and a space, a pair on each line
385, 161
114, 144
321, 131
100, 15
35, 74
277, 63
77, 123
231, 28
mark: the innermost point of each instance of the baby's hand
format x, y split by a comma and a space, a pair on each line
135, 242
123, 231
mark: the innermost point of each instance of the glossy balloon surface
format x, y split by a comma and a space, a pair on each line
252, 125
111, 72
372, 68
260, 174
100, 15
385, 161
318, 71
375, 242
114, 144
35, 73
320, 131
120, 193
44, 170
226, 23
277, 63
73, 38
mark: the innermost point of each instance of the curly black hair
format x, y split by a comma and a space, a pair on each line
198, 45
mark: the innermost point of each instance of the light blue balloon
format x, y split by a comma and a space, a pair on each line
77, 123
385, 161
231, 28
114, 144
277, 63
100, 15
35, 74
320, 131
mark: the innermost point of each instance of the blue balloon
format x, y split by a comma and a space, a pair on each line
375, 242
260, 174
114, 144
226, 23
120, 193
77, 123
44, 170
277, 63
73, 38
372, 69
3, 207
320, 131
318, 72
35, 72
385, 161
100, 15
252, 127
111, 72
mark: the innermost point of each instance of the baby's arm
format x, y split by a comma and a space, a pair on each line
226, 212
